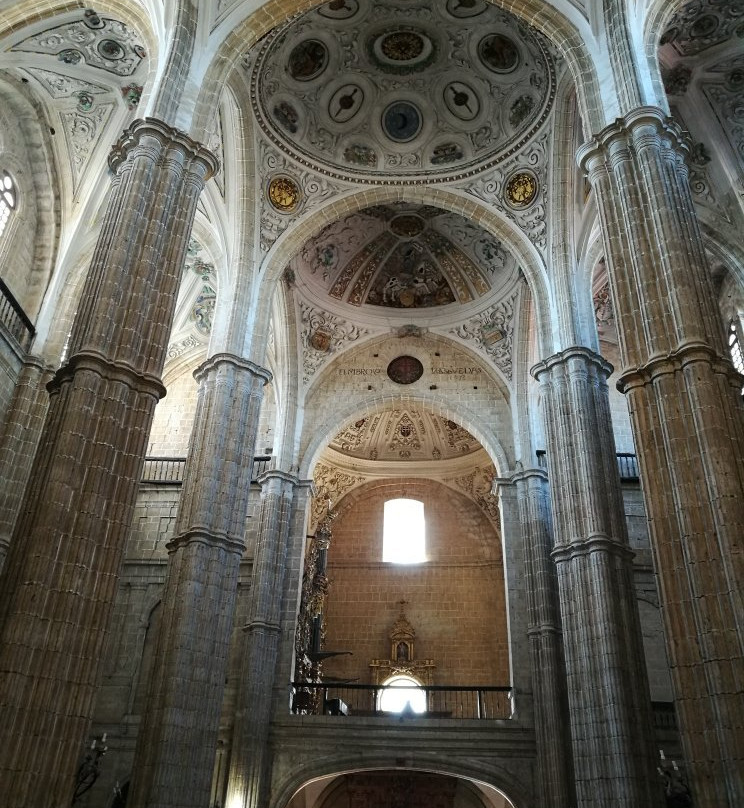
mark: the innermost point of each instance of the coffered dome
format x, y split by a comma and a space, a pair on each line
405, 87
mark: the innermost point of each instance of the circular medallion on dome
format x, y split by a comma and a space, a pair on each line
402, 51
339, 9
461, 101
521, 189
401, 121
307, 60
346, 102
405, 370
407, 225
465, 8
284, 194
111, 49
498, 53
704, 26
402, 46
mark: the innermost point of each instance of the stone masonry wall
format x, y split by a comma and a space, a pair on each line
455, 600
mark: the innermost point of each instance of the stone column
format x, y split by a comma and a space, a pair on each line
176, 746
554, 765
61, 574
609, 702
18, 442
248, 777
685, 407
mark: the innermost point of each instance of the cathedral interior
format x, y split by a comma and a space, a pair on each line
371, 404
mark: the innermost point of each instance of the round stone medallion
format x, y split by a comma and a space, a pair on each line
521, 189
401, 121
346, 102
461, 100
284, 194
405, 370
402, 50
498, 53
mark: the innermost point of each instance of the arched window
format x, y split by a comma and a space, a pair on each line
735, 347
401, 693
8, 199
404, 532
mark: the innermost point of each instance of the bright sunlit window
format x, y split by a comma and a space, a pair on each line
735, 347
7, 199
404, 532
402, 693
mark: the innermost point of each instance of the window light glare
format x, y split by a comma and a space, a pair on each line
404, 532
402, 693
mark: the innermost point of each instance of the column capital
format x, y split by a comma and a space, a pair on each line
676, 361
562, 358
218, 359
110, 369
168, 137
641, 126
270, 475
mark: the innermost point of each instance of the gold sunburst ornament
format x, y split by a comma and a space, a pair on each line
284, 194
521, 189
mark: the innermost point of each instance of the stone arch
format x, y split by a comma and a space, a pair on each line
500, 777
489, 219
555, 24
462, 415
38, 190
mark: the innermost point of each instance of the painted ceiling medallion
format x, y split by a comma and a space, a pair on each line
405, 370
461, 9
284, 194
402, 121
401, 51
498, 53
339, 9
346, 102
407, 225
461, 101
308, 60
521, 189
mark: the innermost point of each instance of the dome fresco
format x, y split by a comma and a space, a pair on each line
404, 87
404, 256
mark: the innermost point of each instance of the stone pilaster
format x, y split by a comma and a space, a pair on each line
685, 408
554, 765
248, 777
176, 746
61, 573
610, 708
18, 442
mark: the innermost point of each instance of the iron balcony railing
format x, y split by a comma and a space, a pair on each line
442, 701
170, 470
14, 318
627, 464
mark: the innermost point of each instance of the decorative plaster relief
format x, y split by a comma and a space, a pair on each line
331, 484
180, 347
477, 485
82, 131
532, 218
314, 188
322, 335
725, 96
59, 85
703, 24
112, 46
492, 331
